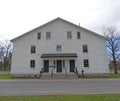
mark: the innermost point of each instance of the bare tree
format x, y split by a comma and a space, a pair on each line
5, 53
113, 45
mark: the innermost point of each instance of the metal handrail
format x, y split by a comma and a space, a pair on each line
41, 71
77, 72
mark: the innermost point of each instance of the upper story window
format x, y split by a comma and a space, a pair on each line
33, 49
69, 35
85, 48
86, 63
32, 63
78, 35
58, 48
48, 35
39, 35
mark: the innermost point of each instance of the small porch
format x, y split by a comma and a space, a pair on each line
59, 63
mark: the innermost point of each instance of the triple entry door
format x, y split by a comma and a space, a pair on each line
59, 66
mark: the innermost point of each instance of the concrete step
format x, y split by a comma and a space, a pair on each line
72, 76
59, 76
45, 76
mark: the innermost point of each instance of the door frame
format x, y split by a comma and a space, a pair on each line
44, 66
60, 68
71, 65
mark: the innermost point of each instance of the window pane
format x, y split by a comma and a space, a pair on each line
78, 35
86, 63
58, 48
48, 35
39, 36
33, 49
32, 63
69, 35
85, 48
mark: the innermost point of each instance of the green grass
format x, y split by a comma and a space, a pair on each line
114, 75
65, 98
5, 76
111, 75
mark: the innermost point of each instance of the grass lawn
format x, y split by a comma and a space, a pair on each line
114, 75
65, 98
111, 75
5, 76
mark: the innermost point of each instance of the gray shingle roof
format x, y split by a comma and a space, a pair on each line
58, 55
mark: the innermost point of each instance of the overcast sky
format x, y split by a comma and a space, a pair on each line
20, 16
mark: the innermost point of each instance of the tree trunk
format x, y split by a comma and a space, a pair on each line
115, 68
4, 67
5, 64
114, 61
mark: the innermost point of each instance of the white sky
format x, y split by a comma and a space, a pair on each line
20, 16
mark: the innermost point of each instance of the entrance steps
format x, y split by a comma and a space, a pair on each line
59, 76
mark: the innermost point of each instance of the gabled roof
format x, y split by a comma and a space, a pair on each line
54, 21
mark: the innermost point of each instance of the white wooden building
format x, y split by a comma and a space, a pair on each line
59, 46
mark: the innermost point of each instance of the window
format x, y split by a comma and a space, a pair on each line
58, 48
33, 49
69, 35
32, 63
48, 35
85, 48
39, 35
86, 63
78, 35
